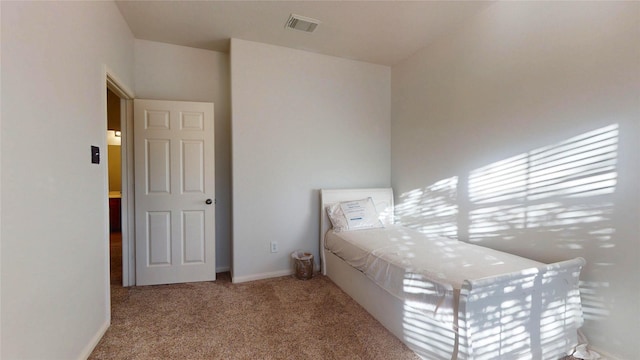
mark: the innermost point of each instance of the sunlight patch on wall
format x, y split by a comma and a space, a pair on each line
431, 210
593, 302
560, 188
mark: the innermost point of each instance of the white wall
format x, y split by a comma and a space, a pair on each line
518, 78
171, 72
300, 122
55, 269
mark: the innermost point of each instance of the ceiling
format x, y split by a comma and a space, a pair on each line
380, 32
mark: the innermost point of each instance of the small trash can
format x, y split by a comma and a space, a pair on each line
303, 264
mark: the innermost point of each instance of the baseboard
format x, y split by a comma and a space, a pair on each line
603, 354
94, 340
253, 277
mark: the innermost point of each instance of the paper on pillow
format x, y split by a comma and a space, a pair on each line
338, 221
360, 214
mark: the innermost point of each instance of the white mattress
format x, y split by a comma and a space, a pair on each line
425, 271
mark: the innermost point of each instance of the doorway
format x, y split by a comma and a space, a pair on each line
114, 166
119, 178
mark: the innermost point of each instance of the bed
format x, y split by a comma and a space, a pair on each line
444, 298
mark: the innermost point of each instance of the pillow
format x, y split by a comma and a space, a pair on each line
338, 221
354, 215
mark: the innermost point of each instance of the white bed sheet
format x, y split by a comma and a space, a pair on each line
425, 271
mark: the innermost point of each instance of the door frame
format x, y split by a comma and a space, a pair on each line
126, 96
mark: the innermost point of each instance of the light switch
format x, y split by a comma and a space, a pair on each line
95, 155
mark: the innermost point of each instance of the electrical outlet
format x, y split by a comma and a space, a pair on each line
274, 247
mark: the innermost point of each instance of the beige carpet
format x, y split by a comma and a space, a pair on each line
281, 318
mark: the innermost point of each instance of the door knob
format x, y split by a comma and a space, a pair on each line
208, 201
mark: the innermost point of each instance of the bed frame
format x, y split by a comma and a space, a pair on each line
532, 314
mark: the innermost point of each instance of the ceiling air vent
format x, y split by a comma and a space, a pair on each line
301, 23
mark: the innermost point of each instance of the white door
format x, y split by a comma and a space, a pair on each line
174, 192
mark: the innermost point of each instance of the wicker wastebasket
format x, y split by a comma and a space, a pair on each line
303, 264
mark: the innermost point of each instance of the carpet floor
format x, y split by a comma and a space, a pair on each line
280, 318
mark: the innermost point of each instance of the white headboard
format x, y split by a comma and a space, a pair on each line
382, 199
